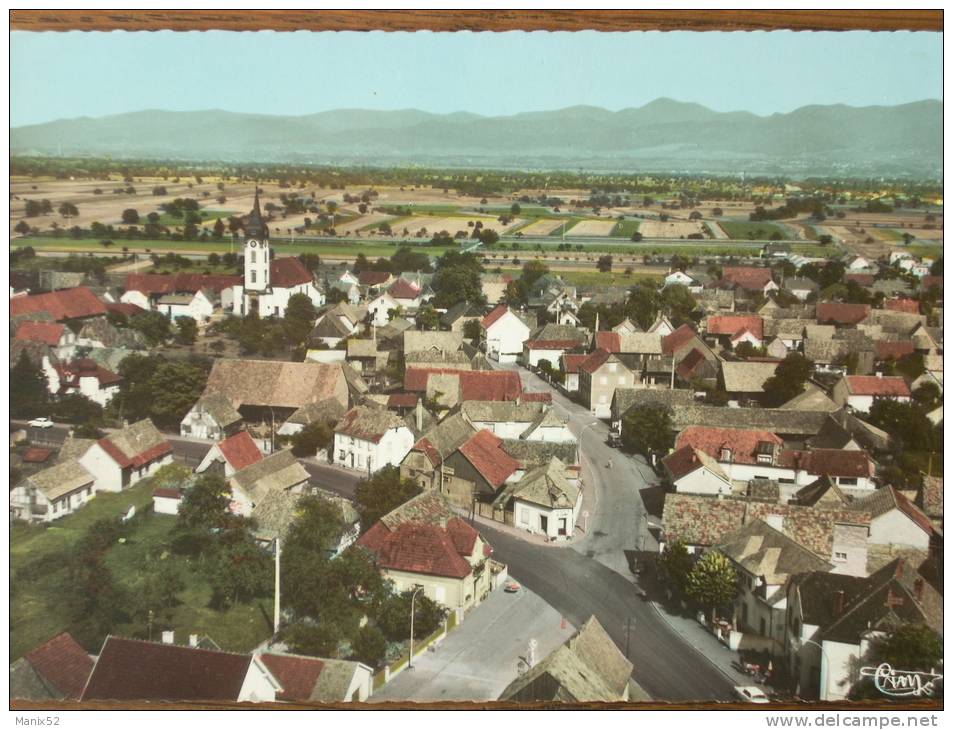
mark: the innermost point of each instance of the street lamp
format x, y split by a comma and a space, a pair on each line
410, 657
825, 664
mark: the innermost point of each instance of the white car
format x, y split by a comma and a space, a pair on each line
41, 422
752, 694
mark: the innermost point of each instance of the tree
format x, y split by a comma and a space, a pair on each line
472, 330
68, 210
457, 279
130, 216
648, 431
713, 582
383, 492
907, 425
677, 301
299, 318
675, 565
29, 396
186, 330
533, 271
218, 229
912, 647
788, 379
515, 209
76, 408
369, 646
406, 259
154, 326
642, 305
604, 264
717, 212
394, 616
427, 318
636, 237
22, 228
311, 639
241, 571
205, 505
927, 397
311, 438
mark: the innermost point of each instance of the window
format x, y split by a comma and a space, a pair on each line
622, 380
839, 556
253, 277
848, 481
447, 478
252, 256
612, 367
342, 454
524, 515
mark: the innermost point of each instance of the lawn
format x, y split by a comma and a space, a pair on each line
171, 221
756, 230
617, 277
625, 229
570, 222
39, 559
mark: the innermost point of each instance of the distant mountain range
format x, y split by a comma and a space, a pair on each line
662, 136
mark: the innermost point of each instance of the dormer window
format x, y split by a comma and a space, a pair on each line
765, 452
725, 454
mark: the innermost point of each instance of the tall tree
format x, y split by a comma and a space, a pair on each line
648, 431
383, 492
788, 379
713, 582
29, 396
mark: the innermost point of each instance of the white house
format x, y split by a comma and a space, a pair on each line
122, 458
544, 501
504, 333
895, 520
518, 420
212, 417
89, 379
269, 283
380, 308
694, 472
232, 454
858, 391
52, 493
368, 439
679, 277
166, 500
199, 306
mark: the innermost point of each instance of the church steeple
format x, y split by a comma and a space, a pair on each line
255, 226
257, 252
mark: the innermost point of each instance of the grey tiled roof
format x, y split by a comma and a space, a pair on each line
775, 420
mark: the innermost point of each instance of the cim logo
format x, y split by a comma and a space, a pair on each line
901, 683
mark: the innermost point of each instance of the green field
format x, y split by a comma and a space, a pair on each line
616, 277
625, 229
39, 559
419, 209
759, 230
170, 221
570, 222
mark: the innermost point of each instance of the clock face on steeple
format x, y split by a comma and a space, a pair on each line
253, 243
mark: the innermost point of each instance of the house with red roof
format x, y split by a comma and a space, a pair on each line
504, 332
691, 471
569, 365
893, 349
88, 378
310, 679
77, 303
55, 670
478, 468
121, 459
730, 330
425, 543
910, 306
231, 455
450, 387
750, 278
180, 295
53, 334
895, 520
410, 292
858, 391
841, 313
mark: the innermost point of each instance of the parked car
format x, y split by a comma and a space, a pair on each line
43, 422
752, 694
614, 440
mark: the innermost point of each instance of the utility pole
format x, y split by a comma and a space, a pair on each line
277, 584
628, 627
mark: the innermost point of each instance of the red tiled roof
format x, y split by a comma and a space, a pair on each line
742, 442
415, 547
841, 313
403, 289
63, 663
542, 396
930, 281
130, 669
912, 511
911, 306
431, 451
49, 333
496, 385
126, 308
484, 451
240, 450
862, 279
71, 372
747, 277
686, 368
594, 361
373, 278
167, 492
552, 344
608, 341
493, 316
681, 462
829, 462
733, 324
893, 350
890, 385
297, 674
37, 455
571, 363
402, 400
289, 272
172, 283
463, 535
136, 460
63, 304
675, 341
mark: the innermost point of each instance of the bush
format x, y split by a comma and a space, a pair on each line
369, 646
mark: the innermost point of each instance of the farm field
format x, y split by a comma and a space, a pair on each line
435, 224
670, 229
625, 229
541, 227
759, 230
593, 228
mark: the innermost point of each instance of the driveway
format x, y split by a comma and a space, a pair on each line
483, 655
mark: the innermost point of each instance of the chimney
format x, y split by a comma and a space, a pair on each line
193, 640
918, 590
838, 603
168, 637
419, 413
879, 374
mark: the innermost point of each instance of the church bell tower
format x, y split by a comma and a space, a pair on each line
257, 251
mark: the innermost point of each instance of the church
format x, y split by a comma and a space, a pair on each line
269, 282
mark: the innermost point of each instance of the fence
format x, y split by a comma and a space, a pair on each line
391, 670
497, 515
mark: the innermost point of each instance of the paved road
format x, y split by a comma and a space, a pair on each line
482, 656
332, 478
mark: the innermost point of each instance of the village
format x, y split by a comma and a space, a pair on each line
299, 479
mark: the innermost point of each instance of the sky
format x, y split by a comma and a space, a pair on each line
67, 75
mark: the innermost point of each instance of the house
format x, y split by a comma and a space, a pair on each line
409, 294
589, 667
730, 330
764, 558
443, 342
515, 420
77, 303
569, 366
424, 543
166, 500
859, 391
212, 417
625, 400
55, 670
745, 381
801, 288
504, 333
133, 669
198, 306
121, 459
691, 471
55, 335
858, 263
147, 290
423, 464
309, 679
455, 319
100, 333
269, 283
231, 455
680, 277
841, 313
599, 377
895, 520
337, 324
380, 308
328, 411
371, 438
450, 387
277, 472
749, 278
930, 499
832, 621
550, 342
477, 469
52, 493
88, 379
372, 282
544, 502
